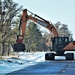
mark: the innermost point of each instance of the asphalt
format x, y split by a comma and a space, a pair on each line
56, 67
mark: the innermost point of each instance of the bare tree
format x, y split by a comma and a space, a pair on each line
8, 16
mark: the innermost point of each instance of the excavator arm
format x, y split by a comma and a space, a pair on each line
37, 19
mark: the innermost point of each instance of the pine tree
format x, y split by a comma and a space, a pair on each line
33, 37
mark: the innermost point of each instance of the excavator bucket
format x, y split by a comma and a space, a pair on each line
19, 47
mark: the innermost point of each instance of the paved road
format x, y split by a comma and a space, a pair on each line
56, 67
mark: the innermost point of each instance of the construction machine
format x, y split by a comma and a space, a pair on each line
59, 44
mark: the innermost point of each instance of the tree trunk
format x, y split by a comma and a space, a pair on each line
3, 48
8, 49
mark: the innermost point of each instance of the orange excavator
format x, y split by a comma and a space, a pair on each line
59, 44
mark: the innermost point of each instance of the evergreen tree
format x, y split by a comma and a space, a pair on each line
33, 37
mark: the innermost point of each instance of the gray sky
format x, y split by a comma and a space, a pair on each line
53, 10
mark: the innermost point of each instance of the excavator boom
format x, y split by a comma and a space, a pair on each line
37, 19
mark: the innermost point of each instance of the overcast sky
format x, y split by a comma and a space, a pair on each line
53, 10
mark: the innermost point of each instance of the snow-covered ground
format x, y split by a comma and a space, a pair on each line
25, 59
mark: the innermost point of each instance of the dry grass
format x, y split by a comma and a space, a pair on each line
1, 58
10, 56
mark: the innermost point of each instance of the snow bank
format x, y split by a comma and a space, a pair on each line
25, 59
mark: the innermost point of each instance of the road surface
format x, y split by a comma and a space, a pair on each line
57, 67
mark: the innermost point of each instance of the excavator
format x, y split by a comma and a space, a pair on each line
59, 44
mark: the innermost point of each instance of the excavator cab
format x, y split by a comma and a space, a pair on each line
58, 43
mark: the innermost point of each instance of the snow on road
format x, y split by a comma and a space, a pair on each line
25, 59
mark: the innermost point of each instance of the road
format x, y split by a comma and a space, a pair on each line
57, 67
